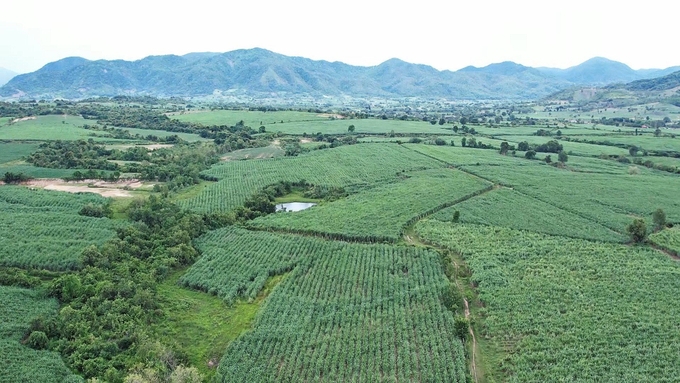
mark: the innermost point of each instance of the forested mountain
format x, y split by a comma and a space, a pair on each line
262, 71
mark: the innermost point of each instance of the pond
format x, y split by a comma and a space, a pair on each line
294, 206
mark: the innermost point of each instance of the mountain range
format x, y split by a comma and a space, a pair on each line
6, 75
258, 70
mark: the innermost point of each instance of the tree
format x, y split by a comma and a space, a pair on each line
442, 121
637, 230
455, 128
530, 155
456, 216
659, 218
633, 150
657, 132
462, 142
351, 129
504, 147
548, 159
433, 122
472, 142
463, 120
461, 327
262, 129
523, 146
558, 133
562, 156
666, 120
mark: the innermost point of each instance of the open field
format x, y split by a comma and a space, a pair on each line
45, 128
13, 151
343, 313
381, 213
570, 309
300, 122
509, 208
611, 200
356, 166
18, 307
42, 229
419, 263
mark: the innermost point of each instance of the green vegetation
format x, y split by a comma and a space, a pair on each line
345, 311
353, 166
200, 325
570, 309
509, 208
380, 214
607, 199
668, 240
18, 308
42, 229
46, 128
11, 151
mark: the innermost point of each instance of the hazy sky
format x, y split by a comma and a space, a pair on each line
444, 34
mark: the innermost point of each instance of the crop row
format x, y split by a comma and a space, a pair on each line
381, 213
18, 307
42, 229
348, 166
509, 208
570, 309
346, 312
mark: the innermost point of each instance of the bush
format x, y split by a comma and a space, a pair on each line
37, 340
530, 155
659, 218
637, 230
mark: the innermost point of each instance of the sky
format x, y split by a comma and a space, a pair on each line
443, 34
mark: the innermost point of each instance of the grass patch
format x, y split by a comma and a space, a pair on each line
201, 325
296, 196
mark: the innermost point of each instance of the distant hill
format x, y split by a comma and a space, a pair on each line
663, 90
262, 71
6, 75
668, 82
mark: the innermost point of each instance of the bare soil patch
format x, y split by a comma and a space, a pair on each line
331, 115
106, 189
22, 119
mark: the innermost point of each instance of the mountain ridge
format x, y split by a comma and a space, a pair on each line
259, 70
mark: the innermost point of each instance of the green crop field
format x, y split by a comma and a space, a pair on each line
348, 166
647, 142
380, 214
509, 208
668, 239
611, 200
310, 123
250, 118
45, 128
18, 307
344, 313
575, 148
571, 310
42, 229
13, 151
